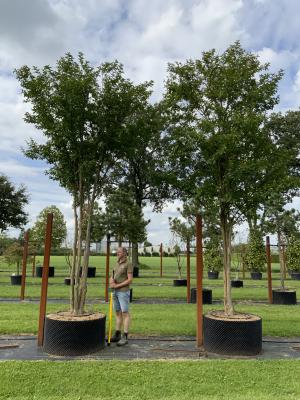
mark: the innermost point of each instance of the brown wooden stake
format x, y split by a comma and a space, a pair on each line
107, 267
33, 265
188, 272
44, 289
24, 265
161, 260
199, 277
269, 271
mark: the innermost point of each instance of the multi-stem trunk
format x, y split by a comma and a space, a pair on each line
226, 227
73, 265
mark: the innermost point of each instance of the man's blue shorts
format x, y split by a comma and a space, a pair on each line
121, 300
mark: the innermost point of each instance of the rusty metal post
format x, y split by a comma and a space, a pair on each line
188, 272
44, 290
269, 271
199, 277
24, 265
107, 266
33, 264
161, 260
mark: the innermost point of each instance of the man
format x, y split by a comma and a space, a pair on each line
119, 282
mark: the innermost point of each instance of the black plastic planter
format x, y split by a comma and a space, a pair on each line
256, 276
206, 296
39, 272
239, 336
131, 294
179, 282
75, 337
295, 276
91, 272
136, 272
237, 283
287, 297
68, 281
16, 279
213, 274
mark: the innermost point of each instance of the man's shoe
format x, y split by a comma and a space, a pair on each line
116, 337
122, 341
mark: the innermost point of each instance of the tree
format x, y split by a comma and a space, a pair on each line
293, 254
85, 114
218, 153
59, 227
255, 257
98, 228
12, 203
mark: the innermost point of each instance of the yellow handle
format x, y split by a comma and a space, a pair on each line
110, 316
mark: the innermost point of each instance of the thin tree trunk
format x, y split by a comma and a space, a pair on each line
79, 250
135, 255
281, 260
226, 228
73, 266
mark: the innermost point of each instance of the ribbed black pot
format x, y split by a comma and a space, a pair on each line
74, 338
91, 272
256, 276
295, 275
243, 337
136, 272
237, 283
179, 282
206, 296
213, 274
16, 279
68, 281
284, 296
39, 272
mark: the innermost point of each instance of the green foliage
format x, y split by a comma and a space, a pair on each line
14, 254
185, 230
293, 254
5, 242
59, 227
98, 228
213, 257
255, 258
12, 203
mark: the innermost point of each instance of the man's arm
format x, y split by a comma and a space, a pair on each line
124, 283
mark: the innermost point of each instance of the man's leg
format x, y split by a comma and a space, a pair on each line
119, 320
126, 322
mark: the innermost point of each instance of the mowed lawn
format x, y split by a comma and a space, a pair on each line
147, 380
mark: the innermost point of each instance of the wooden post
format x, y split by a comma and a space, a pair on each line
199, 277
44, 290
107, 266
24, 265
188, 272
161, 260
269, 271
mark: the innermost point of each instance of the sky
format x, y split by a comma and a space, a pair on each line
144, 36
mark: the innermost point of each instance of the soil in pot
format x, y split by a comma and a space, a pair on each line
295, 276
240, 334
206, 296
16, 279
179, 282
256, 276
39, 272
285, 296
67, 335
213, 274
237, 283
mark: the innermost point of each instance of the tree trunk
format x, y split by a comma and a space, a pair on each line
135, 254
281, 260
226, 227
73, 266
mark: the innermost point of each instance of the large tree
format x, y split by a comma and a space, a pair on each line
218, 152
59, 227
84, 113
12, 203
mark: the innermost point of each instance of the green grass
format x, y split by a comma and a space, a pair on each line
170, 380
156, 319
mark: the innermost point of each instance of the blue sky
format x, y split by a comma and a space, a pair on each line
144, 36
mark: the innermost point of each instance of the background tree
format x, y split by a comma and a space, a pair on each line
98, 228
84, 113
219, 154
255, 257
293, 254
59, 227
12, 203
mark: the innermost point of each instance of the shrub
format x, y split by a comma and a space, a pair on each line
213, 259
255, 259
293, 255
